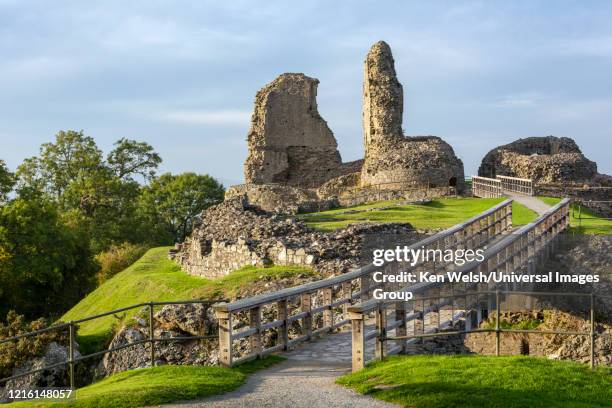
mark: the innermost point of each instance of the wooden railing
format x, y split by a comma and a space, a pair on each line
322, 306
516, 185
517, 252
486, 187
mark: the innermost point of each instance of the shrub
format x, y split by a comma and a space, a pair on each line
117, 258
16, 353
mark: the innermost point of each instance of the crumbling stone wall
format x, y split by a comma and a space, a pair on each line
547, 159
289, 142
390, 156
234, 234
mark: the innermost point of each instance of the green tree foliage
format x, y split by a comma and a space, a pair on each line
173, 202
101, 194
6, 182
73, 202
130, 158
45, 264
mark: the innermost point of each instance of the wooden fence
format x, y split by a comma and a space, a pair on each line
517, 252
488, 187
322, 306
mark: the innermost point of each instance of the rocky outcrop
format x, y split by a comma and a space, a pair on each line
53, 377
543, 159
289, 142
390, 157
234, 234
171, 321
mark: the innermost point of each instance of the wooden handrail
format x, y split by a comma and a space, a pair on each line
517, 251
259, 300
498, 220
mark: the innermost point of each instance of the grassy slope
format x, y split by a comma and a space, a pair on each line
159, 385
442, 213
480, 381
593, 224
155, 278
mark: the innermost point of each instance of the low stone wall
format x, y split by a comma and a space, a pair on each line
281, 198
363, 196
225, 257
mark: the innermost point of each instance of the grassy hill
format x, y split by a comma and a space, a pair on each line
440, 213
154, 277
483, 381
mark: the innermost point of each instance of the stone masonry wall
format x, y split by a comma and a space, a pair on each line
289, 142
389, 155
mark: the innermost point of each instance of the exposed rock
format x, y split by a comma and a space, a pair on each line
54, 377
196, 319
390, 157
553, 346
543, 159
289, 142
171, 321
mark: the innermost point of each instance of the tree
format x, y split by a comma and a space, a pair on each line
131, 157
45, 265
7, 181
72, 171
174, 201
73, 155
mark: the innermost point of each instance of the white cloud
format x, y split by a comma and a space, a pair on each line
208, 117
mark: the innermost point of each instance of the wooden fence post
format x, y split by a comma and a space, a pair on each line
328, 314
305, 306
225, 337
358, 340
283, 334
381, 329
255, 323
400, 316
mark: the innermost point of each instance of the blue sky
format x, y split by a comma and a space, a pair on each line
182, 75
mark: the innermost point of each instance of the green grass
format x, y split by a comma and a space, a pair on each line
441, 213
592, 224
158, 385
482, 381
154, 277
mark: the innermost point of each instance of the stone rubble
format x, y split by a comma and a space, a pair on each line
543, 159
234, 234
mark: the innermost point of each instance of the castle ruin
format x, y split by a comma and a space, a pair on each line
293, 153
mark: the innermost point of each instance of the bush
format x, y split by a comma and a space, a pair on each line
14, 354
117, 258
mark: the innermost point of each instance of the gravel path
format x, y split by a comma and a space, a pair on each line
304, 380
530, 202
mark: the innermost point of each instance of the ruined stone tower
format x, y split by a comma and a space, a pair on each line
390, 157
289, 142
383, 99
